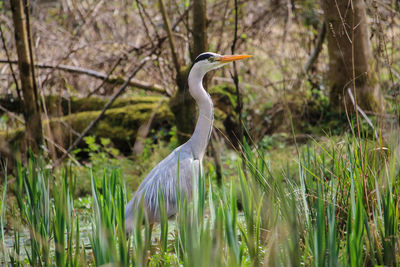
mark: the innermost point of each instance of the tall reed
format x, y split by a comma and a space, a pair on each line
338, 208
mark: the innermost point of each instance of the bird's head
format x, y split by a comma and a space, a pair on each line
210, 61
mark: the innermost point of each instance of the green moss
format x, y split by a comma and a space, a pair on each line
219, 118
127, 116
12, 135
76, 104
96, 103
120, 124
224, 92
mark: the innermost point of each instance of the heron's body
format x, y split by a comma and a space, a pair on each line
166, 178
188, 157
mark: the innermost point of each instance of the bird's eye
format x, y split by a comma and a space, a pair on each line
211, 59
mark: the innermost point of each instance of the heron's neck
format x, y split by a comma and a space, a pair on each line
201, 135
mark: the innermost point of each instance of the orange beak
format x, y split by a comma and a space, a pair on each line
230, 58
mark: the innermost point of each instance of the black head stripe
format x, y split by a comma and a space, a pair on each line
202, 57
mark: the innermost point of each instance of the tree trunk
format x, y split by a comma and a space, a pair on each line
199, 31
182, 104
351, 64
33, 133
199, 28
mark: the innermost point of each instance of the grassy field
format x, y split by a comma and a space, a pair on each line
332, 202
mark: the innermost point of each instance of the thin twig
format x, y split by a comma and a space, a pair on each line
140, 8
235, 78
343, 22
167, 25
78, 31
107, 78
11, 67
140, 4
164, 37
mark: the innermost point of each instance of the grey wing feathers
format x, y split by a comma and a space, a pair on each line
164, 175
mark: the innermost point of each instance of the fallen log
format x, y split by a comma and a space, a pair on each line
119, 124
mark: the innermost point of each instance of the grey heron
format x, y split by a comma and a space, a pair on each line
190, 154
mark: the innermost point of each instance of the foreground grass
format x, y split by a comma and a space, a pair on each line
339, 206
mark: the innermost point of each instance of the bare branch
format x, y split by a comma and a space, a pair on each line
170, 35
11, 67
95, 74
314, 55
163, 38
235, 78
105, 80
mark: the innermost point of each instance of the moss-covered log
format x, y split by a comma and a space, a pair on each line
119, 124
224, 99
122, 121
